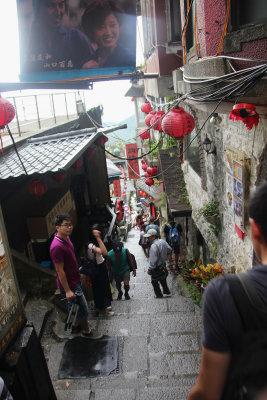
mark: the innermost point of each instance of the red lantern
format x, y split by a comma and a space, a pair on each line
144, 167
178, 123
145, 195
144, 134
155, 118
149, 171
7, 112
77, 164
146, 107
149, 182
148, 117
90, 152
147, 175
246, 113
60, 177
155, 171
101, 141
151, 198
37, 188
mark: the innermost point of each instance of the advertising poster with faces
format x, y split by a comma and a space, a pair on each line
235, 187
11, 315
66, 39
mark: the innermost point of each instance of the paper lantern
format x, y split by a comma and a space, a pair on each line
60, 177
144, 167
78, 163
101, 141
147, 175
149, 182
144, 134
157, 121
246, 113
37, 188
148, 118
178, 123
146, 107
90, 151
117, 152
7, 112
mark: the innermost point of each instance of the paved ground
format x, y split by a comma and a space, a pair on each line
159, 350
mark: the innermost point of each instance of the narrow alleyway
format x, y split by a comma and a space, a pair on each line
159, 344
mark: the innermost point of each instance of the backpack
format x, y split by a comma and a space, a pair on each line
174, 236
247, 375
134, 261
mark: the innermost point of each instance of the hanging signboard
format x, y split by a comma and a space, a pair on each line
12, 317
133, 165
64, 39
117, 188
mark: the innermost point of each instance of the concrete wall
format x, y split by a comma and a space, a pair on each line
227, 248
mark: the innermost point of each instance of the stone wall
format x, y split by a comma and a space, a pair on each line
226, 247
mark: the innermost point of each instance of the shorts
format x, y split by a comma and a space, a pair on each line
176, 249
83, 309
124, 277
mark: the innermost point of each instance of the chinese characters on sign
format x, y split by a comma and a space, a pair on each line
117, 188
133, 166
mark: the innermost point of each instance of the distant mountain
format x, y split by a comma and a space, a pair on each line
127, 134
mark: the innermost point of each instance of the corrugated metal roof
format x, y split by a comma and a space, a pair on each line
43, 156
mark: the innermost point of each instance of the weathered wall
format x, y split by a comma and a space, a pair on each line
227, 248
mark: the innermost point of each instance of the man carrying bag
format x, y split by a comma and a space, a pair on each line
159, 252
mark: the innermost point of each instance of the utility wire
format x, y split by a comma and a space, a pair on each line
16, 150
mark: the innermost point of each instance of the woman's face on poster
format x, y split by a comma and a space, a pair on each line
107, 34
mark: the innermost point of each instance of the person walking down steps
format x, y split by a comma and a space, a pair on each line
160, 251
120, 262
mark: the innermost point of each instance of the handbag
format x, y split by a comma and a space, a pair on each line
159, 273
88, 267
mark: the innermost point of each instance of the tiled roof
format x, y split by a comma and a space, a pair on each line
172, 175
47, 154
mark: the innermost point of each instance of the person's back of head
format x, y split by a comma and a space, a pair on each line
258, 209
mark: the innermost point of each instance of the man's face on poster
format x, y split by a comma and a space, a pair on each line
52, 12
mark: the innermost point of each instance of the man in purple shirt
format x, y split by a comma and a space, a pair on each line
68, 274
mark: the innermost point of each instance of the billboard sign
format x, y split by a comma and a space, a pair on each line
12, 316
133, 165
66, 40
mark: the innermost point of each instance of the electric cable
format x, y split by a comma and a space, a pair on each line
16, 150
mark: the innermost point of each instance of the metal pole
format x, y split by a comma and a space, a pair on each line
53, 107
37, 110
76, 102
84, 102
66, 105
17, 117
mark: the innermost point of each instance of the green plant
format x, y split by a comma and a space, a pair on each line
196, 276
210, 212
163, 200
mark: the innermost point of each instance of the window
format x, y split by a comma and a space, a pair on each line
190, 36
173, 22
148, 27
192, 153
244, 12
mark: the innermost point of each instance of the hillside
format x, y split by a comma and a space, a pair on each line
122, 134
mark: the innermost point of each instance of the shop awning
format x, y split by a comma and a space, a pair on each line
113, 171
51, 153
173, 179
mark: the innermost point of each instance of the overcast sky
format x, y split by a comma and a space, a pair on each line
110, 94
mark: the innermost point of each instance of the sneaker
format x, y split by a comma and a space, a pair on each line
76, 329
159, 297
167, 294
127, 297
93, 335
119, 296
109, 308
106, 314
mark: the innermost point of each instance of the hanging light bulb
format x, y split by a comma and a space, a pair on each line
215, 119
